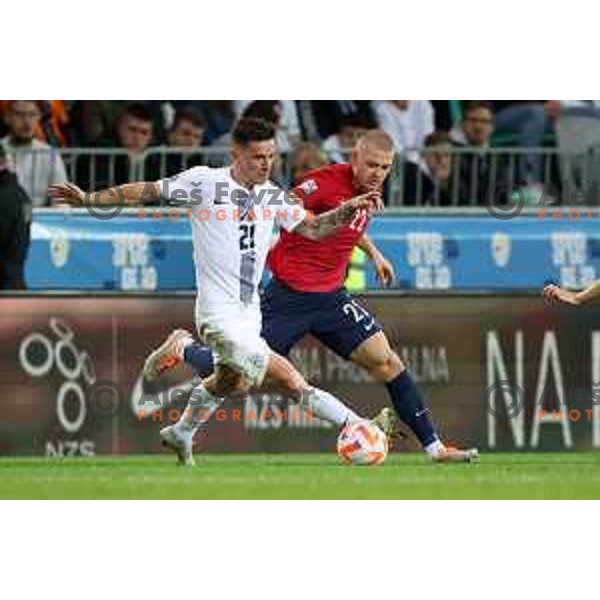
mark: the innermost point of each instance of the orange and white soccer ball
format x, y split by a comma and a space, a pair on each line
362, 443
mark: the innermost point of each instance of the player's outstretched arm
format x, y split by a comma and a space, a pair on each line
316, 228
554, 294
383, 267
130, 193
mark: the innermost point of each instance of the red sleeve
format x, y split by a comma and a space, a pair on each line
316, 189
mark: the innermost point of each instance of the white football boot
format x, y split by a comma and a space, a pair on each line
449, 454
167, 356
180, 442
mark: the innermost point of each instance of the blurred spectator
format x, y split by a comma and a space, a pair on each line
408, 122
185, 136
593, 106
134, 133
477, 125
528, 121
93, 122
352, 127
288, 126
321, 118
306, 157
134, 129
219, 115
442, 111
36, 164
54, 122
188, 129
15, 225
477, 169
53, 125
269, 110
577, 128
432, 182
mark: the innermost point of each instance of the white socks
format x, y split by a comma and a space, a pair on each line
199, 410
435, 448
322, 404
327, 407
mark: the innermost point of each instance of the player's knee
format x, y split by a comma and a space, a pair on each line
234, 391
240, 393
229, 383
386, 367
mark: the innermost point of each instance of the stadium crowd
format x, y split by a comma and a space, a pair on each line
446, 147
449, 153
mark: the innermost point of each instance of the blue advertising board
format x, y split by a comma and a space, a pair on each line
438, 251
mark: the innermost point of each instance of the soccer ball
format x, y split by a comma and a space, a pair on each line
362, 443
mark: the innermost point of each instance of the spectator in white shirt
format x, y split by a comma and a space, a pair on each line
408, 122
36, 164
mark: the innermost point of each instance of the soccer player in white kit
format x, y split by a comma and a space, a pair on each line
235, 209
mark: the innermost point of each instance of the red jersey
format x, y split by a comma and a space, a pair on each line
319, 266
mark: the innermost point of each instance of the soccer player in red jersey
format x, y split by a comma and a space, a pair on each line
307, 296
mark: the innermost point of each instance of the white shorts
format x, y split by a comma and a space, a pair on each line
236, 341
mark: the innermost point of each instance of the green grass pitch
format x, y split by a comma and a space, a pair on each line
293, 476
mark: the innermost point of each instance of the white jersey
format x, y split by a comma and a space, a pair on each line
231, 233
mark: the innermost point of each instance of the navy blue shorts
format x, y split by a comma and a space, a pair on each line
336, 319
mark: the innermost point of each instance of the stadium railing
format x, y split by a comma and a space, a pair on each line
476, 176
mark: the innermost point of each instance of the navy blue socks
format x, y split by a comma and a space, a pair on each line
200, 358
410, 408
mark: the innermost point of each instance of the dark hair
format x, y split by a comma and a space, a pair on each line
252, 129
263, 109
437, 138
137, 110
358, 121
188, 113
473, 105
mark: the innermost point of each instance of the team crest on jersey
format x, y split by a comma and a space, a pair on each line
309, 186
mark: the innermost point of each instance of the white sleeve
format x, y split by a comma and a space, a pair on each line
289, 118
58, 173
386, 121
187, 187
428, 121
